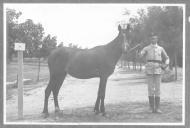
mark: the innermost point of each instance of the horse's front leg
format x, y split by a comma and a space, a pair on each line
101, 96
97, 105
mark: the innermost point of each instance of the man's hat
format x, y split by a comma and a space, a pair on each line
153, 35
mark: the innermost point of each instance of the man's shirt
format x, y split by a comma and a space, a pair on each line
154, 53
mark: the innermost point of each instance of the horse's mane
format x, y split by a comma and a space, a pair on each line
113, 43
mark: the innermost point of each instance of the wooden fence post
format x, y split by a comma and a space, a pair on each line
20, 47
20, 84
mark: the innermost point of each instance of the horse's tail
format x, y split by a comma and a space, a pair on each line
57, 61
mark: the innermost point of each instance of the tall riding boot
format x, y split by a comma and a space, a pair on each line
151, 103
157, 105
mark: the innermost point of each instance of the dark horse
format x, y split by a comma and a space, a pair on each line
99, 62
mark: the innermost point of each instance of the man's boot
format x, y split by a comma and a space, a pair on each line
151, 103
157, 105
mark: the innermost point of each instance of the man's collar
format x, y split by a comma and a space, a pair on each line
154, 45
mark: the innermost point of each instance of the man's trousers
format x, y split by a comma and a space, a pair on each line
154, 81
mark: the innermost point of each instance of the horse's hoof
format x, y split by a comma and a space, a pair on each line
45, 115
57, 118
57, 110
59, 113
104, 114
96, 112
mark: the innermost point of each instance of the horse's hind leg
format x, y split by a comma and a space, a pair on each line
53, 85
56, 88
101, 96
47, 94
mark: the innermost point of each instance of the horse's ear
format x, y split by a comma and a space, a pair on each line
119, 27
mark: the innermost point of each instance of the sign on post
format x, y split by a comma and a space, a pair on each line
20, 47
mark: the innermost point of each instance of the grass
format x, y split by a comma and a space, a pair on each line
30, 70
116, 113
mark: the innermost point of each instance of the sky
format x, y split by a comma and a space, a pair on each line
86, 25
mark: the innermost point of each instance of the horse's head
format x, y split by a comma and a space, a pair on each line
123, 34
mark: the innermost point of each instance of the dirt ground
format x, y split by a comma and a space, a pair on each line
126, 101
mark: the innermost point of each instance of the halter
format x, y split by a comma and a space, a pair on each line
135, 47
125, 45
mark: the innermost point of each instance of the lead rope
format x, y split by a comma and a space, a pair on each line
135, 47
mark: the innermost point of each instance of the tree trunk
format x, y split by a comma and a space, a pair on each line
128, 64
124, 63
121, 63
8, 53
38, 75
175, 66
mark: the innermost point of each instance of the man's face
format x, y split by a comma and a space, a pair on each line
154, 39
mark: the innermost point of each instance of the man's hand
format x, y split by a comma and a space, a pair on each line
139, 53
164, 66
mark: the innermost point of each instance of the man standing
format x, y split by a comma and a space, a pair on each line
154, 55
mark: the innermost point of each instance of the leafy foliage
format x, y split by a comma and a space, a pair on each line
48, 44
166, 22
29, 33
11, 26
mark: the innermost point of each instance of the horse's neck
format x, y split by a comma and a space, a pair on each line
114, 49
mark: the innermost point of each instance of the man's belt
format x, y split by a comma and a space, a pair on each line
155, 61
163, 66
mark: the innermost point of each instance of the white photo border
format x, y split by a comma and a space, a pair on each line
183, 5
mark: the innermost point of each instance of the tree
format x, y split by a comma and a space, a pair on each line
48, 44
31, 34
135, 37
11, 26
27, 32
74, 46
167, 23
61, 44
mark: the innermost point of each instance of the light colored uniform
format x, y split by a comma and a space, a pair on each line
153, 69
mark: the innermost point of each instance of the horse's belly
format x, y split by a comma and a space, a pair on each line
82, 74
82, 71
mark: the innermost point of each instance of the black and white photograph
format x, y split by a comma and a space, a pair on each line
94, 64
